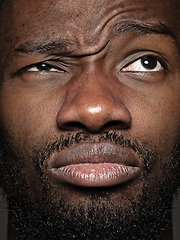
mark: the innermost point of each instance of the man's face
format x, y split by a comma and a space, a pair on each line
89, 103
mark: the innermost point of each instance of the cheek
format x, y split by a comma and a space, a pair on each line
28, 117
156, 118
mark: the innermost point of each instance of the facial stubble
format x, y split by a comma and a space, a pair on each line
136, 215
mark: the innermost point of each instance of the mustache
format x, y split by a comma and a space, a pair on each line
62, 143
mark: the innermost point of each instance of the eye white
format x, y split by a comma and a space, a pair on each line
145, 64
42, 67
35, 69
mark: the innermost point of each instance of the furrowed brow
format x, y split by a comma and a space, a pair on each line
63, 47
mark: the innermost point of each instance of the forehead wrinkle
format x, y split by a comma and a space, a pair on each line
134, 28
101, 28
95, 24
66, 47
96, 38
114, 22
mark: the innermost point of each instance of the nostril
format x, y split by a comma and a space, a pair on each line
115, 125
70, 126
93, 112
76, 126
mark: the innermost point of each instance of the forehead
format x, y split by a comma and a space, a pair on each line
84, 22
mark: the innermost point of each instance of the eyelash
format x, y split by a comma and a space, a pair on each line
35, 65
160, 62
42, 65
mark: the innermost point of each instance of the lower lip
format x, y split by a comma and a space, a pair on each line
95, 175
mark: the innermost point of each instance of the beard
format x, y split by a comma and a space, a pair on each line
141, 211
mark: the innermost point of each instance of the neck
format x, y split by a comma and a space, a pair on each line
167, 235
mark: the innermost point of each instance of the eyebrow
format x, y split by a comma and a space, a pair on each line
66, 47
142, 28
63, 46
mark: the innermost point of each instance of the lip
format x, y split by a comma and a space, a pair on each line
95, 165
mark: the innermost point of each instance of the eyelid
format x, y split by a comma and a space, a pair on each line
54, 63
137, 66
47, 64
133, 57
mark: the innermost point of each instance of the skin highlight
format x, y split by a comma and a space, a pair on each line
69, 77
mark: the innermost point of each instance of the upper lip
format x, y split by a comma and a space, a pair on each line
94, 153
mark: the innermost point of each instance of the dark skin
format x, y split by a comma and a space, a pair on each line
92, 58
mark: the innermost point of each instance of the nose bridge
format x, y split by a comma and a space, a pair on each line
93, 94
92, 102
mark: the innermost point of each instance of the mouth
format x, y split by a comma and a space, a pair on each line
95, 165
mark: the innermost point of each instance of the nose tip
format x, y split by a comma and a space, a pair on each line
94, 112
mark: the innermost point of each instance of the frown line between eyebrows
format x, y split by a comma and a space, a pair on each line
66, 47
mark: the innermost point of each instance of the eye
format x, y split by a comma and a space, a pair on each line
144, 64
39, 67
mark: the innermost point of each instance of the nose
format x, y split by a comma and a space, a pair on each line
92, 105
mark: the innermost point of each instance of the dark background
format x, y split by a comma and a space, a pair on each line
3, 219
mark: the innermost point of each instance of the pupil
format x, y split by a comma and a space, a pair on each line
149, 63
43, 66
